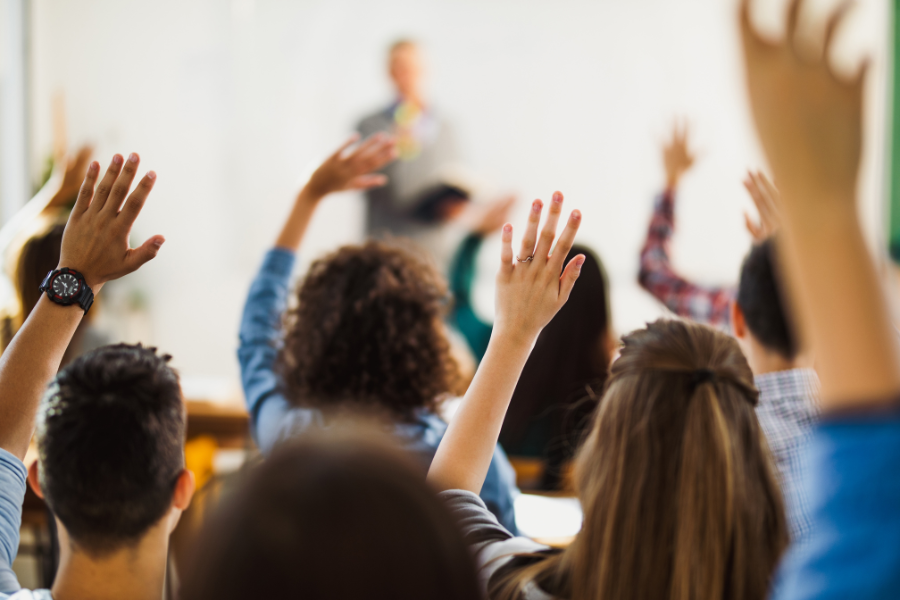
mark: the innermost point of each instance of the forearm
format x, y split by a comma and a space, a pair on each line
464, 455
840, 305
29, 363
298, 220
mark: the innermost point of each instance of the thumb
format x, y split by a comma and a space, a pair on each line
137, 257
569, 277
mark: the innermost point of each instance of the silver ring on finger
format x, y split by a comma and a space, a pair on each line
526, 259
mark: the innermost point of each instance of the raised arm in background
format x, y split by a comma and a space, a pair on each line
810, 124
95, 244
657, 275
349, 168
531, 288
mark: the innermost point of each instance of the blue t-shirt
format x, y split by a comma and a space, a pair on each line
13, 476
274, 419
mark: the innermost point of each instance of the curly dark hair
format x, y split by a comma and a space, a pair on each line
367, 332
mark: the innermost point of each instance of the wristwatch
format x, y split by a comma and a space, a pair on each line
66, 286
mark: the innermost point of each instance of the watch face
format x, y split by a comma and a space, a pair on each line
66, 285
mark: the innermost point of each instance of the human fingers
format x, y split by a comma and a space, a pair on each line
135, 258
345, 146
365, 182
106, 184
123, 183
380, 155
506, 251
530, 237
755, 230
569, 277
548, 233
566, 241
137, 199
793, 19
366, 150
86, 193
831, 25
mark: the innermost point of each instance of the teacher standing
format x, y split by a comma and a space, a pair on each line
422, 194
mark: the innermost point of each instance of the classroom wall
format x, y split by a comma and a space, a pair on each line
229, 101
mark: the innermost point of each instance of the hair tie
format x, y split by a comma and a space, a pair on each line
701, 376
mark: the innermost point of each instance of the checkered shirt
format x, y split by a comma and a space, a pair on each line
788, 407
704, 304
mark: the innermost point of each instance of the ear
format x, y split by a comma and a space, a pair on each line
35, 480
738, 324
184, 490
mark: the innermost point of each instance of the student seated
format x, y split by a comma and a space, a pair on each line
810, 124
755, 315
110, 433
566, 371
680, 498
340, 516
365, 336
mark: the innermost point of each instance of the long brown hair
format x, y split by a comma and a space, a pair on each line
341, 516
679, 492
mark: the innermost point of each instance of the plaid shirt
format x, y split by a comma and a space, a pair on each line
787, 410
710, 305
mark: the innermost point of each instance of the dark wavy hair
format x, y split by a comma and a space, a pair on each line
367, 332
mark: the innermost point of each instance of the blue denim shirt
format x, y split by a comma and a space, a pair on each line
274, 419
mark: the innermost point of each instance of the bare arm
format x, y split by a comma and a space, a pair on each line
95, 243
346, 169
810, 125
529, 294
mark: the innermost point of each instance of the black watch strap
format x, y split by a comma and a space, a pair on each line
84, 298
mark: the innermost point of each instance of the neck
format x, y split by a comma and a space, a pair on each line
137, 572
414, 98
763, 360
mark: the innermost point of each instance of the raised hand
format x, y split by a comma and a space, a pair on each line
808, 120
353, 168
766, 198
532, 286
95, 242
677, 156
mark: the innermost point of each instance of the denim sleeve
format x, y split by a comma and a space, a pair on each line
854, 490
12, 495
499, 490
260, 334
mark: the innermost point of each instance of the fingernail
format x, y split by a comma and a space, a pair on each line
158, 243
537, 206
93, 167
507, 228
576, 215
151, 175
579, 261
132, 158
117, 159
557, 197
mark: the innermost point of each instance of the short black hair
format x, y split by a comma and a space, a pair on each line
760, 299
111, 445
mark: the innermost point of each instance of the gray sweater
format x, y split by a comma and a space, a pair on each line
491, 544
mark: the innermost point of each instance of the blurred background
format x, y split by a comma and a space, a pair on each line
231, 101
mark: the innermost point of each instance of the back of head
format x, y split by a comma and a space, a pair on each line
338, 518
760, 300
679, 493
367, 331
571, 353
111, 445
